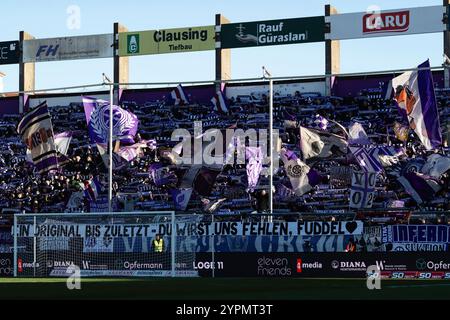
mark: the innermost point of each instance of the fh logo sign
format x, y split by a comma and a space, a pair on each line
47, 50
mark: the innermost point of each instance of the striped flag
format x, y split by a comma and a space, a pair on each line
62, 143
179, 96
37, 133
91, 189
415, 97
220, 103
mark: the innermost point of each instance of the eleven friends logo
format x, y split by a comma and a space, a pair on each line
386, 22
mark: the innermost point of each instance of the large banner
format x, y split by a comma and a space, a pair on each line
68, 48
9, 52
272, 32
307, 228
386, 23
423, 234
167, 41
225, 244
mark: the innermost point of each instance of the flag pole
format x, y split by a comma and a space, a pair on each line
110, 143
266, 74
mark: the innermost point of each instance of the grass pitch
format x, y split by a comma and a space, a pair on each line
222, 289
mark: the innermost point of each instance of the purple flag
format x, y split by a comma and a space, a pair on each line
367, 160
302, 177
414, 94
254, 165
421, 187
125, 123
181, 198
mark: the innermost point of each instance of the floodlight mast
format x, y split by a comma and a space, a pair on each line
268, 75
107, 81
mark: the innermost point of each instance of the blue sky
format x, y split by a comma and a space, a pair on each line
45, 19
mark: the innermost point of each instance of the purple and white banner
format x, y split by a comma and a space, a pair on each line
97, 111
414, 93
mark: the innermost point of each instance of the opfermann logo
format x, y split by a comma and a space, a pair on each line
386, 22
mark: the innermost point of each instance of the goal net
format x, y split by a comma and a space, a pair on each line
102, 245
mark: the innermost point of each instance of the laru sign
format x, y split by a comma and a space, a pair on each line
273, 32
167, 41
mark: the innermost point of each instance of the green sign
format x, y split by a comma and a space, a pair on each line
133, 44
273, 32
167, 41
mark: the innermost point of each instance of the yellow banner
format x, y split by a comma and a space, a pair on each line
167, 41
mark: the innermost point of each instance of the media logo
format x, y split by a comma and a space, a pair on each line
302, 265
386, 22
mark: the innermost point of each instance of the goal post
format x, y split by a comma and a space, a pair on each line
101, 245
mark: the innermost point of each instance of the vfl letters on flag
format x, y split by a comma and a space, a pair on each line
363, 189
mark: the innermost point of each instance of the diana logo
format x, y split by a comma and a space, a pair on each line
133, 43
335, 264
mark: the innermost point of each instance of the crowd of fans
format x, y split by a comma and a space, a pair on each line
135, 188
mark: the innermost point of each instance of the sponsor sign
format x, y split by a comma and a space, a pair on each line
167, 41
272, 32
68, 48
6, 265
307, 228
108, 264
9, 52
340, 265
386, 23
